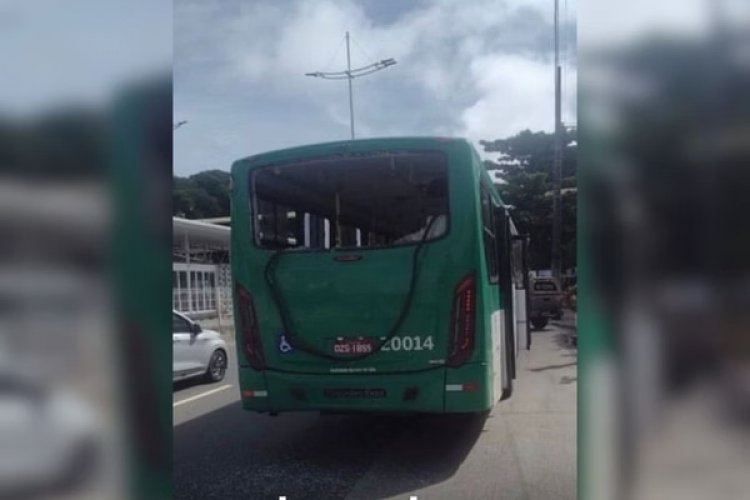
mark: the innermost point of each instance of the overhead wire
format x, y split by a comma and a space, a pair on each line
371, 59
335, 53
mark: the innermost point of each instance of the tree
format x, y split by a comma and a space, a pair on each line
65, 143
202, 195
532, 152
215, 183
525, 167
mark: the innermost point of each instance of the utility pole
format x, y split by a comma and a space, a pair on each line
350, 74
557, 159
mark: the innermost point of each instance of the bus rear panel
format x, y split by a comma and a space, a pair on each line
360, 279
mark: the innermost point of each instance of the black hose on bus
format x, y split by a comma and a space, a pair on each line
302, 346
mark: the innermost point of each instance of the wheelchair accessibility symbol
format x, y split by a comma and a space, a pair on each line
284, 345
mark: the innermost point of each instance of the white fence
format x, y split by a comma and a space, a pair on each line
199, 300
201, 289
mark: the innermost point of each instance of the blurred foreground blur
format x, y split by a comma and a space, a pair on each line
83, 124
665, 276
57, 419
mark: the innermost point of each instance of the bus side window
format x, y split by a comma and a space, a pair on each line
489, 236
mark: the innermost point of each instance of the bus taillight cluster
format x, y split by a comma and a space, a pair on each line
251, 344
462, 322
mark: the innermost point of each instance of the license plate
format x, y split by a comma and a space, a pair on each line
353, 346
358, 393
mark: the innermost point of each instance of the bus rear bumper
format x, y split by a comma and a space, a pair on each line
440, 390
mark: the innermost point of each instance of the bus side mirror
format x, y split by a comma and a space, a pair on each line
195, 329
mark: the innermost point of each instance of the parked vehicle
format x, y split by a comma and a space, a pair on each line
546, 301
196, 352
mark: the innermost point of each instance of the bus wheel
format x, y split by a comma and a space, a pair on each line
539, 323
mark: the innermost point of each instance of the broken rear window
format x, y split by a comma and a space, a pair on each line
374, 200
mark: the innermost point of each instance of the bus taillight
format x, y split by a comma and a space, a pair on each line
461, 343
251, 344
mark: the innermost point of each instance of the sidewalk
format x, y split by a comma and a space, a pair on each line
568, 325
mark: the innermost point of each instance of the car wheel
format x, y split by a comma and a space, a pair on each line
539, 323
217, 367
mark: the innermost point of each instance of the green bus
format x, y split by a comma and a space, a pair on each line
378, 275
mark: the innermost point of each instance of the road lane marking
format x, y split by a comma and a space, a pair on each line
202, 394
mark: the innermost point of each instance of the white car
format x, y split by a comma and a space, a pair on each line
196, 352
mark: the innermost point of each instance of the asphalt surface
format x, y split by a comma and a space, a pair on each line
524, 449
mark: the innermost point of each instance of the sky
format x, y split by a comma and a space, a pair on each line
480, 70
613, 23
61, 52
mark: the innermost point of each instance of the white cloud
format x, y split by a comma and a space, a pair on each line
481, 69
516, 93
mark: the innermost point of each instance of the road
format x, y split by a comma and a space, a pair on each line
524, 449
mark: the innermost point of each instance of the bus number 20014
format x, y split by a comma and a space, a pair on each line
414, 343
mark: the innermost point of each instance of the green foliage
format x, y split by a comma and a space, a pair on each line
525, 165
202, 195
69, 143
532, 152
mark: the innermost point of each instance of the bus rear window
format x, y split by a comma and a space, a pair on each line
376, 200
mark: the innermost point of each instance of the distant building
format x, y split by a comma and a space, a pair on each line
201, 285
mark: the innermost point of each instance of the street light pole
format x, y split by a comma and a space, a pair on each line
351, 99
557, 160
350, 74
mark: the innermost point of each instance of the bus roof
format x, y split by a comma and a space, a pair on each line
338, 147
